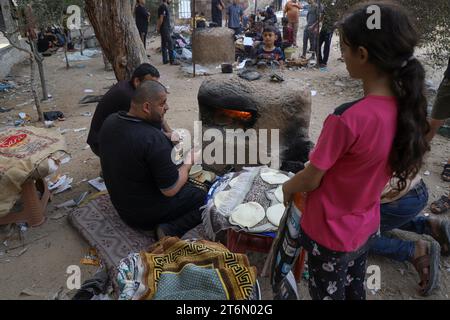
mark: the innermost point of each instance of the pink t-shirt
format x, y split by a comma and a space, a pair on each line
353, 149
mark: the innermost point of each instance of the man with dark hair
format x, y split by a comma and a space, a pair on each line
234, 17
118, 98
142, 16
165, 29
146, 187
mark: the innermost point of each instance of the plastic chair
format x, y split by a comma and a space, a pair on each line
242, 242
34, 205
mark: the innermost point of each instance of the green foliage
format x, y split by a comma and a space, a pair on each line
49, 12
432, 21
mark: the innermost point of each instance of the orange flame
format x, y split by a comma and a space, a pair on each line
233, 114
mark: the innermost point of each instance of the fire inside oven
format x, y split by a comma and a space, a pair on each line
233, 118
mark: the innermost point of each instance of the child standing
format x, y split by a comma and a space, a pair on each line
362, 145
288, 34
268, 52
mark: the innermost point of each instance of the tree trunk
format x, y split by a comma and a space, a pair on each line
115, 29
33, 90
81, 41
65, 51
39, 60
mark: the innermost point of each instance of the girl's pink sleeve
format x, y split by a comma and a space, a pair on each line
335, 140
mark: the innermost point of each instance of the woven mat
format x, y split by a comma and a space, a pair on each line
100, 224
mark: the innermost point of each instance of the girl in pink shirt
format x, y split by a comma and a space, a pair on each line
362, 145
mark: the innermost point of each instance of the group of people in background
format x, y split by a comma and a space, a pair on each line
363, 177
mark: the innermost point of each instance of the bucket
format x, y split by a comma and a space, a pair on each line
227, 68
288, 52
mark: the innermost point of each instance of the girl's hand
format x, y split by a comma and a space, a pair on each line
287, 194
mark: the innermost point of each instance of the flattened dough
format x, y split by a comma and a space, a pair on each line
279, 194
248, 214
271, 176
220, 198
275, 213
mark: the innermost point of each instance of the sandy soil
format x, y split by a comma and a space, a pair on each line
55, 245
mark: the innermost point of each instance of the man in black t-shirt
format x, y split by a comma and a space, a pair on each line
145, 186
165, 29
118, 98
217, 7
142, 18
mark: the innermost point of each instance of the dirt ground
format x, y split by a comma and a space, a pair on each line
54, 246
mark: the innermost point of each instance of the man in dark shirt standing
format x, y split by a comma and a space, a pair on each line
118, 98
142, 18
145, 186
165, 29
217, 7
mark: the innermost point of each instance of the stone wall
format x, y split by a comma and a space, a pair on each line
9, 56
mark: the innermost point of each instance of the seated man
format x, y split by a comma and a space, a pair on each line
145, 186
401, 210
117, 99
269, 52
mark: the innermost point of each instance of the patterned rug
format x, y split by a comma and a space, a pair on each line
100, 224
175, 269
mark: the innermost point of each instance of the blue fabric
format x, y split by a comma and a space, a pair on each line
234, 12
402, 214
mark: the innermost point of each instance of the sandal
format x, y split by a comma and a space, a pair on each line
440, 206
445, 175
428, 281
444, 237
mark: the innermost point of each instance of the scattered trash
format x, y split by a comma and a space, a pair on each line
18, 123
74, 202
98, 183
3, 110
339, 84
77, 56
54, 115
79, 130
60, 295
90, 99
24, 116
427, 173
49, 96
199, 70
276, 78
63, 131
88, 91
250, 75
79, 66
402, 271
313, 93
91, 259
49, 124
90, 75
61, 184
87, 114
6, 86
